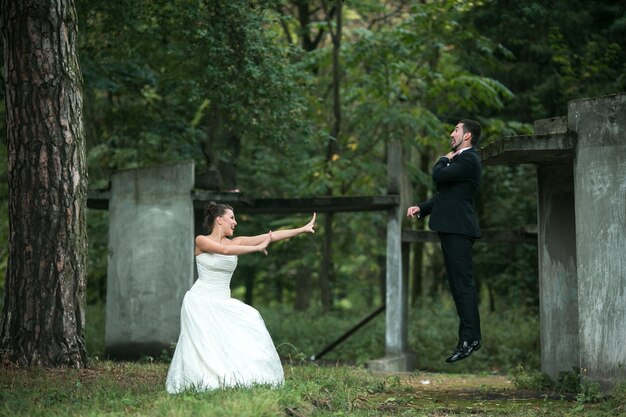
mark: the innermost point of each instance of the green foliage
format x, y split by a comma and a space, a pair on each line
507, 201
97, 230
247, 74
569, 382
589, 392
586, 392
303, 335
164, 80
529, 379
402, 80
553, 52
616, 401
95, 318
510, 337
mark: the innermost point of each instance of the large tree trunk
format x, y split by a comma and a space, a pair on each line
43, 315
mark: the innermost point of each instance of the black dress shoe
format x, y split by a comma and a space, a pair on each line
463, 350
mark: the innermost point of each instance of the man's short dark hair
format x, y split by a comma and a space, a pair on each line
474, 128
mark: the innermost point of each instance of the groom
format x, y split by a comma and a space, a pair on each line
457, 177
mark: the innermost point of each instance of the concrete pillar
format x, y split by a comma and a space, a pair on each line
151, 261
600, 190
556, 240
397, 358
396, 297
558, 292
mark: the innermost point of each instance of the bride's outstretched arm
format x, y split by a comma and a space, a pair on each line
287, 233
208, 245
277, 234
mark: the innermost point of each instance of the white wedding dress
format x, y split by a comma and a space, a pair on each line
223, 342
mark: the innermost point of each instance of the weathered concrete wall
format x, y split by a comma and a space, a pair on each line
151, 262
558, 292
600, 189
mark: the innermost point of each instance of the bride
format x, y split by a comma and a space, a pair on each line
223, 342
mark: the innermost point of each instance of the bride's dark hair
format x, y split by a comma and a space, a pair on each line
212, 211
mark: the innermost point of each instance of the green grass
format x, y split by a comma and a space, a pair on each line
133, 389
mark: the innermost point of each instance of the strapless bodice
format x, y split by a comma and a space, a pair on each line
214, 274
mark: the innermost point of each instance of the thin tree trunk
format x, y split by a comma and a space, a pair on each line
333, 149
381, 260
303, 290
248, 276
43, 315
327, 268
309, 42
416, 274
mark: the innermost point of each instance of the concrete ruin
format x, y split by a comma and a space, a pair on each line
151, 260
581, 214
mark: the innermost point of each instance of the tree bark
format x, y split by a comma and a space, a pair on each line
43, 315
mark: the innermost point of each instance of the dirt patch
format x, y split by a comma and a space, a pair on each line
472, 387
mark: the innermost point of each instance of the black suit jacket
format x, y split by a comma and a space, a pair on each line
451, 210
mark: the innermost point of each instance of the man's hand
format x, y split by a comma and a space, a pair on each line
412, 211
452, 154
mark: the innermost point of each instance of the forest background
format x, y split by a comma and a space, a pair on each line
299, 98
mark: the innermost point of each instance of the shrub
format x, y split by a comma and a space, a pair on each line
529, 379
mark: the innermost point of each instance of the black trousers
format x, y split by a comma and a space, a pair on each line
457, 255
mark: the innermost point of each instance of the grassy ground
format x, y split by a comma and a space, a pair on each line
137, 389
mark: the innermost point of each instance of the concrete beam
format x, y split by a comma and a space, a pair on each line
99, 200
551, 125
531, 149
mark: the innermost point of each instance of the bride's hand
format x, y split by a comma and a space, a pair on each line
266, 243
309, 227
